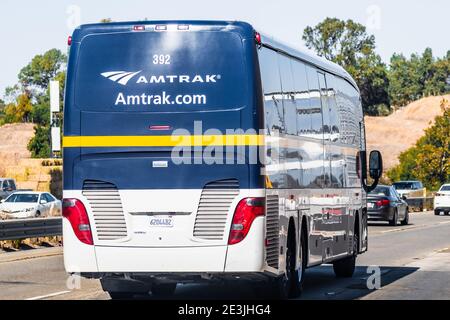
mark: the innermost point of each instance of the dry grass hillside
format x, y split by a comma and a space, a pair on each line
400, 130
14, 139
16, 162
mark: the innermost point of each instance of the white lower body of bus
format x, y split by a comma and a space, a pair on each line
146, 240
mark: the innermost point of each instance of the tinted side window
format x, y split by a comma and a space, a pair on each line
316, 109
324, 102
288, 87
333, 109
350, 113
273, 105
273, 115
304, 122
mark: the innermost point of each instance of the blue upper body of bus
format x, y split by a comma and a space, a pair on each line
130, 86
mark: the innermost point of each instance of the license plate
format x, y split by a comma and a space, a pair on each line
161, 222
370, 205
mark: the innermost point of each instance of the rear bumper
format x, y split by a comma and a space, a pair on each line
383, 214
244, 257
142, 282
445, 209
160, 260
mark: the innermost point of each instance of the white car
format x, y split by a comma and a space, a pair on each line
442, 200
30, 204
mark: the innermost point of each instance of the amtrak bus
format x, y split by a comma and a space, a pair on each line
203, 151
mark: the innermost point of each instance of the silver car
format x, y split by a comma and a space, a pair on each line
30, 204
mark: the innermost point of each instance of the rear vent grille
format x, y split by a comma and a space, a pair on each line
106, 205
272, 231
212, 213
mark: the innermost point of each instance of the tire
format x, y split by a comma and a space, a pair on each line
405, 221
393, 221
290, 285
345, 268
163, 290
37, 214
121, 295
436, 212
299, 274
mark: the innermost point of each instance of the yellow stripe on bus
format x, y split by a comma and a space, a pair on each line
163, 141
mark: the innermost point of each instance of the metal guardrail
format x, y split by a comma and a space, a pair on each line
420, 203
30, 228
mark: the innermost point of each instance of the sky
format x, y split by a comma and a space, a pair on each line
31, 27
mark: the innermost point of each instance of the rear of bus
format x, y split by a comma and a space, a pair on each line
147, 110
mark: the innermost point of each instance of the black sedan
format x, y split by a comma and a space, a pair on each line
385, 204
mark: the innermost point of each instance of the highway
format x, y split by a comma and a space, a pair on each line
414, 263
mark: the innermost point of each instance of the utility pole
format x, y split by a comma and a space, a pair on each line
54, 118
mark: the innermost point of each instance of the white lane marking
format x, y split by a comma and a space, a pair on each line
401, 229
420, 226
49, 295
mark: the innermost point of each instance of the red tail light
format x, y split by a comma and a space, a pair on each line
381, 203
258, 38
69, 41
75, 212
138, 28
246, 211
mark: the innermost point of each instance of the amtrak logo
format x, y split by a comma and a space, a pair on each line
121, 77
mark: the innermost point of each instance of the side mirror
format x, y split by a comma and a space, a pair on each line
3, 200
375, 165
404, 197
43, 201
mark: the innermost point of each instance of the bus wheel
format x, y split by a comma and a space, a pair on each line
121, 295
345, 268
163, 290
289, 285
299, 274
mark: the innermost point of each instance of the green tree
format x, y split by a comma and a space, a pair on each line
41, 109
371, 75
416, 77
348, 44
18, 111
39, 145
429, 159
406, 168
340, 41
36, 76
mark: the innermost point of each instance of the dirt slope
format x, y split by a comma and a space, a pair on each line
399, 131
14, 139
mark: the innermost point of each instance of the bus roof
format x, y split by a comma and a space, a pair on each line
308, 56
243, 28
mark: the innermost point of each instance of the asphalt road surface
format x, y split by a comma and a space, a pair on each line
413, 262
